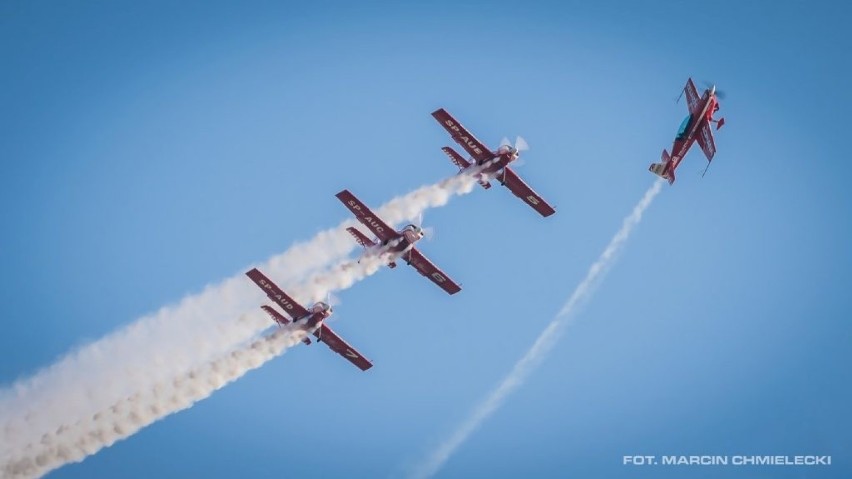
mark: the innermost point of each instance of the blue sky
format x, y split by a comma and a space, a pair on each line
152, 150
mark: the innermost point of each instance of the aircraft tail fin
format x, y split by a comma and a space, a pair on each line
670, 174
662, 169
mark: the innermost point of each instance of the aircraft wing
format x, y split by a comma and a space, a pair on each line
425, 267
366, 217
477, 150
294, 309
325, 335
520, 189
692, 98
704, 137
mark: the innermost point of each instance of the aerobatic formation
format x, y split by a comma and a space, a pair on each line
40, 430
485, 166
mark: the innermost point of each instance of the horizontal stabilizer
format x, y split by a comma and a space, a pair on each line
360, 237
456, 158
280, 319
463, 164
661, 170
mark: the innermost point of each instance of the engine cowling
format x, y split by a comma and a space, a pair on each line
321, 307
412, 233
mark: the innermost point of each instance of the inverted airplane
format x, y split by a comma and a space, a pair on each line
695, 127
312, 321
491, 164
394, 244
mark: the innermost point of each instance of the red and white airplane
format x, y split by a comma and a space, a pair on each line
312, 321
394, 244
493, 164
695, 127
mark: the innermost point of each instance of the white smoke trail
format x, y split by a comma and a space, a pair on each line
124, 418
178, 338
542, 346
74, 442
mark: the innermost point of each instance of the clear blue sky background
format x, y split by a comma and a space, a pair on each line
150, 150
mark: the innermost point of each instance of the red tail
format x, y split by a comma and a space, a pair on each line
663, 169
669, 171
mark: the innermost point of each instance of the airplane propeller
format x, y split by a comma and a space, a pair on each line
429, 231
332, 299
520, 143
720, 94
